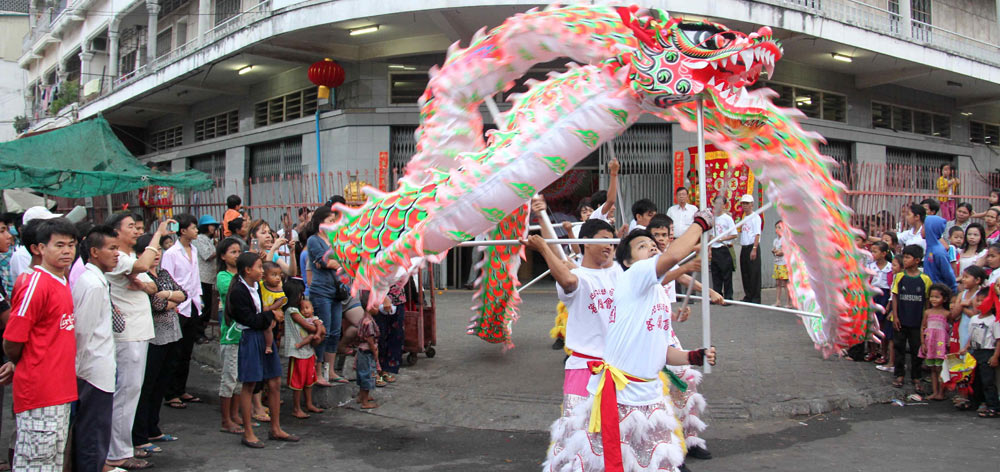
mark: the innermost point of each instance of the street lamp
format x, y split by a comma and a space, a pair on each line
325, 74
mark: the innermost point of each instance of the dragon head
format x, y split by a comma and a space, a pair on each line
677, 60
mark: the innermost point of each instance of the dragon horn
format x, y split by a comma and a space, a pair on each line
641, 33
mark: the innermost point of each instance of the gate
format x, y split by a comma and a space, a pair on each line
644, 152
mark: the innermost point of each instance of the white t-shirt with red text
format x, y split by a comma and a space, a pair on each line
589, 308
639, 333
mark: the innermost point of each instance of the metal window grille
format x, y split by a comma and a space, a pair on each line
20, 6
163, 42
218, 125
166, 139
213, 164
287, 107
226, 9
984, 133
402, 146
910, 120
925, 167
646, 159
842, 152
920, 12
272, 166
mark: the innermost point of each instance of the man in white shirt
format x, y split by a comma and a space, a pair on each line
914, 216
750, 251
20, 262
587, 292
642, 211
95, 352
682, 213
130, 290
602, 201
722, 260
181, 261
637, 347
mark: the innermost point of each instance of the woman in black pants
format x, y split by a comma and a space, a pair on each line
159, 368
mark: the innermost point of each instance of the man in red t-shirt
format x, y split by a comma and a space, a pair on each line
40, 340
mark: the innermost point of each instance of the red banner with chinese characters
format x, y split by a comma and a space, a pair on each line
383, 170
678, 170
717, 171
160, 199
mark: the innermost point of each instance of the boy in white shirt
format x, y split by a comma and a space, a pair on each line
587, 291
637, 347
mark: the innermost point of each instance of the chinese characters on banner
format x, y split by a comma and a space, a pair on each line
678, 170
383, 171
741, 180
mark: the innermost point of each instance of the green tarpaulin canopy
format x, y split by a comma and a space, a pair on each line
83, 160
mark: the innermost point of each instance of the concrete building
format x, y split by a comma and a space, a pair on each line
13, 27
220, 85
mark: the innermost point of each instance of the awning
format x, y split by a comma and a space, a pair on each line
84, 160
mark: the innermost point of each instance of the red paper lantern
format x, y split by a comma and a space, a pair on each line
326, 74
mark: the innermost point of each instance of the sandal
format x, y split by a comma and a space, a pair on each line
177, 404
871, 356
164, 438
252, 445
379, 382
340, 380
150, 448
989, 413
133, 464
881, 361
191, 399
142, 454
262, 418
898, 383
389, 378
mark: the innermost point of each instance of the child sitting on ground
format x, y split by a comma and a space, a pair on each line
934, 334
272, 291
303, 332
366, 358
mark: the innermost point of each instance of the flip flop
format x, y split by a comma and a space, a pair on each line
141, 454
252, 445
152, 448
262, 418
239, 430
191, 399
290, 438
340, 380
164, 438
176, 404
134, 464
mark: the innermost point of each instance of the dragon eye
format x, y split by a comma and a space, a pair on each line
706, 35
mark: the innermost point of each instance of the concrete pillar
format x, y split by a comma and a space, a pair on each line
113, 49
205, 17
153, 9
905, 19
236, 169
85, 57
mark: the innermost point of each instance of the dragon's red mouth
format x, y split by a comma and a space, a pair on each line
726, 78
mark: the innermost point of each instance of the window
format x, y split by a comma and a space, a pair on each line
166, 139
813, 103
911, 121
920, 12
984, 133
168, 6
213, 164
163, 41
218, 125
405, 88
128, 63
226, 9
276, 158
286, 107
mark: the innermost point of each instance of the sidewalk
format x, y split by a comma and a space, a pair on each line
767, 369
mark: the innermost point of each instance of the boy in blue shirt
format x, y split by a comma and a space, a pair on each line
910, 289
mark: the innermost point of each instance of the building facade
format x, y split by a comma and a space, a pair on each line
13, 27
220, 85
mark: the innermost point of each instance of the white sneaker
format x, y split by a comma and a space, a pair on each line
885, 368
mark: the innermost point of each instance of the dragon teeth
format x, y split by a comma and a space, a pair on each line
747, 57
698, 64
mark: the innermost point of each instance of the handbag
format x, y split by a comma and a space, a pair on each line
343, 292
117, 319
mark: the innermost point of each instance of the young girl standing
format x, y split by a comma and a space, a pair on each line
947, 187
882, 276
934, 335
780, 269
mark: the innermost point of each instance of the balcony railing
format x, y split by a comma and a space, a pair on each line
880, 20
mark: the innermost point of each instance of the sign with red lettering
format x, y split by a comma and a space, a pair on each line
678, 170
720, 177
383, 170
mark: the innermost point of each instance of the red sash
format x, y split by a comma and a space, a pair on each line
606, 403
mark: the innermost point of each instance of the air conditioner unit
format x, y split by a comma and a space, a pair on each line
99, 45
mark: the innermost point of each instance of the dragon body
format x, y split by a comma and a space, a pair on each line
634, 61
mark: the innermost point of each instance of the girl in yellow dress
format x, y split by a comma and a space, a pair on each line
947, 187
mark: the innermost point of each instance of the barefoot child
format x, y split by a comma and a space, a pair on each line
366, 362
303, 331
934, 329
229, 339
271, 292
